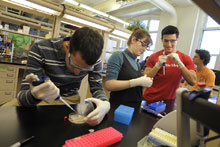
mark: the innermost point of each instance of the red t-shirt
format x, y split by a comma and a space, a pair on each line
164, 86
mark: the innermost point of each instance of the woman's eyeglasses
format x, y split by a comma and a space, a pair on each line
144, 44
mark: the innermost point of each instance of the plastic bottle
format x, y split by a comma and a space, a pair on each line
8, 46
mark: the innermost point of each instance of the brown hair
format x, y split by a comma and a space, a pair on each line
139, 34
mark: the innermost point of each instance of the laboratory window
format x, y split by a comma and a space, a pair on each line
210, 41
153, 27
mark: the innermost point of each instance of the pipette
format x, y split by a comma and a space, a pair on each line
42, 79
164, 64
68, 105
164, 69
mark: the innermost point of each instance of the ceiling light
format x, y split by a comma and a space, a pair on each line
96, 11
119, 20
85, 22
72, 2
71, 24
116, 37
93, 10
120, 33
36, 6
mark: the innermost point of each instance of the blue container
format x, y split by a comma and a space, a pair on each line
123, 114
157, 106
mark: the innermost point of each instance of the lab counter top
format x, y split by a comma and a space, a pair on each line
50, 129
12, 61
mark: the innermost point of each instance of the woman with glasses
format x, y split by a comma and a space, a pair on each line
123, 77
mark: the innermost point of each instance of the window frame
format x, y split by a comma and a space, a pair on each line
204, 29
147, 25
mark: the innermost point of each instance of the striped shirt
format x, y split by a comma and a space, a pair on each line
46, 58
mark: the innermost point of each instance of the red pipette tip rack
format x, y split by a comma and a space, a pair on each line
100, 138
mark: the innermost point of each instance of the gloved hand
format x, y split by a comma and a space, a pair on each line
85, 108
97, 115
176, 59
46, 91
162, 59
143, 81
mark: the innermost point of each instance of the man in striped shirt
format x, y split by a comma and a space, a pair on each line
66, 61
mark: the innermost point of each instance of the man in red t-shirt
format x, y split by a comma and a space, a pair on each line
167, 67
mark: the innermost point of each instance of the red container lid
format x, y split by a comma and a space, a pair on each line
201, 84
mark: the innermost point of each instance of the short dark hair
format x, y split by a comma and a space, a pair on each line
204, 55
169, 30
88, 42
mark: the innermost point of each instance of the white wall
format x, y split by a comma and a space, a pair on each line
198, 34
187, 23
190, 22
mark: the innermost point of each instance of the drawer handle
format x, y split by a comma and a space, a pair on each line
8, 93
9, 81
10, 75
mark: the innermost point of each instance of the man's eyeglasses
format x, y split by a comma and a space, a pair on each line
171, 41
75, 66
143, 43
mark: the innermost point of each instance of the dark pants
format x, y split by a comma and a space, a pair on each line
170, 105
